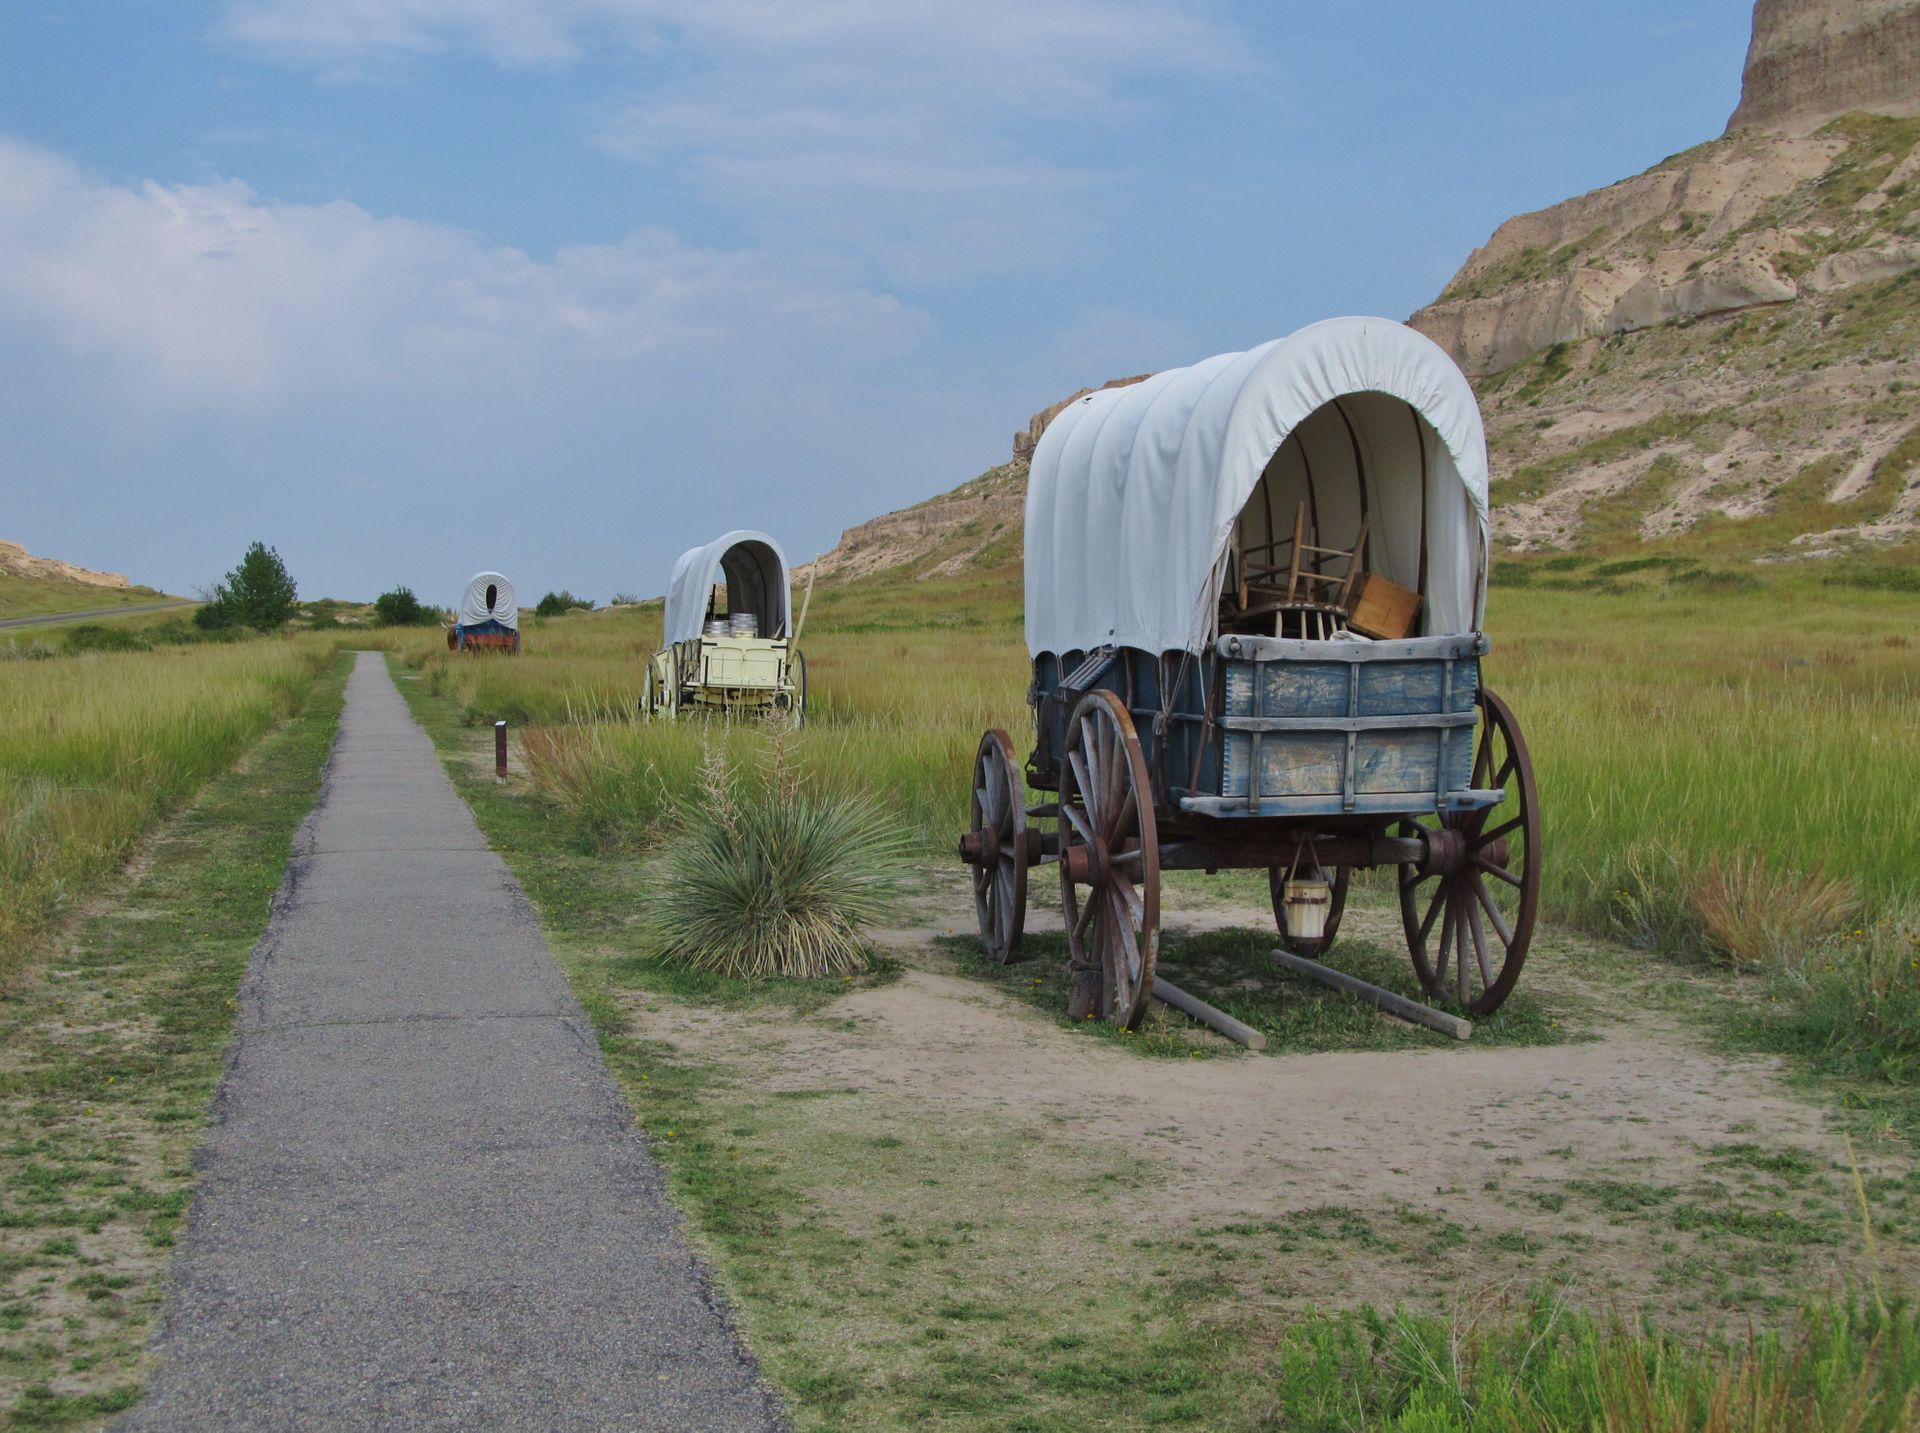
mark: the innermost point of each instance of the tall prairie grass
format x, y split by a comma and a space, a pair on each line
95, 748
1676, 733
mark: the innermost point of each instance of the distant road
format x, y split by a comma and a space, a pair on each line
92, 614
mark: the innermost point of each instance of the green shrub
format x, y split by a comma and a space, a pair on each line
400, 608
99, 637
1881, 577
259, 593
764, 874
558, 604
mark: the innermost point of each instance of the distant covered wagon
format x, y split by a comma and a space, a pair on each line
729, 633
488, 619
1254, 593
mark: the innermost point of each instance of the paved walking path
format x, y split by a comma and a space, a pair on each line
423, 1201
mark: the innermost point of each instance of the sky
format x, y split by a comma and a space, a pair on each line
409, 288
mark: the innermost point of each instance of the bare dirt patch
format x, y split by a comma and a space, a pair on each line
1636, 1169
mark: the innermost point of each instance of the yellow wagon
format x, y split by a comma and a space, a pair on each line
730, 639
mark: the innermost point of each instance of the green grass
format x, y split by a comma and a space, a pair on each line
101, 746
892, 1268
110, 1059
38, 596
1230, 969
1676, 721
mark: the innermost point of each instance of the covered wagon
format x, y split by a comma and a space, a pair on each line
1254, 596
729, 639
488, 618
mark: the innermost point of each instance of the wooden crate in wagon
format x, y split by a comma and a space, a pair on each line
730, 642
488, 619
1202, 550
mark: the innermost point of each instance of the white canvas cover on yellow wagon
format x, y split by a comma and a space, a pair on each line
1133, 493
755, 572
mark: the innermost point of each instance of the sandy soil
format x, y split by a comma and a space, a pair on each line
1487, 1138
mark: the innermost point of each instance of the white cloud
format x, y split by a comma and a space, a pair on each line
940, 140
210, 296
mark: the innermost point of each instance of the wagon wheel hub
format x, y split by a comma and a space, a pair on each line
1446, 851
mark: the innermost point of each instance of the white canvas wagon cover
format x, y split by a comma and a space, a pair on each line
488, 598
755, 572
1133, 492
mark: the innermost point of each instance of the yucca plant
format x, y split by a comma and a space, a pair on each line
762, 873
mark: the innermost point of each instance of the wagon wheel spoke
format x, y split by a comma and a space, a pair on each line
1122, 926
1499, 873
1077, 821
1433, 909
1479, 944
1125, 819
1460, 968
1493, 911
1086, 768
1129, 898
1505, 828
1087, 913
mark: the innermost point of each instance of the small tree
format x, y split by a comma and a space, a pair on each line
558, 604
400, 608
259, 593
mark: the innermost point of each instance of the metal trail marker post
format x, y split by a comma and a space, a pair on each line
500, 749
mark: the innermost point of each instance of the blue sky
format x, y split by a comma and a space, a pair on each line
411, 287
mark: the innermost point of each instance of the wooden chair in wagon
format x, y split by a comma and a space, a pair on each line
1254, 594
730, 643
488, 619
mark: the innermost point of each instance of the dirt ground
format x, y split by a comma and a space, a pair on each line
1640, 1167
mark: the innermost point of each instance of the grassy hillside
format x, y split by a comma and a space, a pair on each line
31, 596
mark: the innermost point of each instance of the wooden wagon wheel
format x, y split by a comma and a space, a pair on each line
661, 696
1110, 850
1480, 885
1277, 894
997, 833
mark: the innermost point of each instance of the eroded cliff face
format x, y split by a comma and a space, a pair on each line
1730, 225
1813, 60
1766, 278
16, 560
1028, 437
